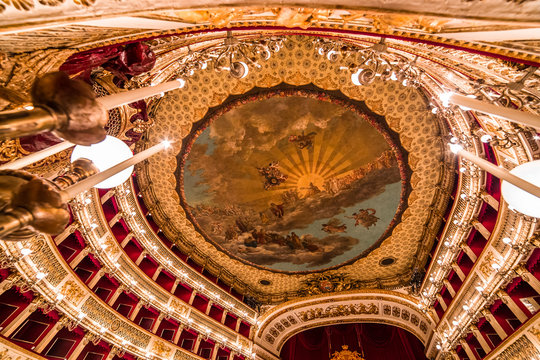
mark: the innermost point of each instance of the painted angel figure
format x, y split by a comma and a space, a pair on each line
303, 141
364, 217
272, 175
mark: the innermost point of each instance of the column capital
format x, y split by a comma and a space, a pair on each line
62, 322
521, 270
502, 295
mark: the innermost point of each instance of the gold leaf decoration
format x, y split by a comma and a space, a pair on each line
11, 150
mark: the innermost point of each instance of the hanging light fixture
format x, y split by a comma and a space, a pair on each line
514, 94
33, 204
234, 55
368, 63
71, 110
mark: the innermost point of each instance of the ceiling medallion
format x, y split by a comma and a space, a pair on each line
346, 354
292, 181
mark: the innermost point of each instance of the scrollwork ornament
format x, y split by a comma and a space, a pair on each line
6, 260
11, 150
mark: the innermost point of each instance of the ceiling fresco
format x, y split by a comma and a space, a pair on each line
296, 67
290, 182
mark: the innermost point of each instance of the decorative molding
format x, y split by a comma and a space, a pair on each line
387, 307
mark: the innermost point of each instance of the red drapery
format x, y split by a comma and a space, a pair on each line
377, 341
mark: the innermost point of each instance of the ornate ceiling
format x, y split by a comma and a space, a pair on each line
403, 111
291, 181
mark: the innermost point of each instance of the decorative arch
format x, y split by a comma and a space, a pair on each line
379, 306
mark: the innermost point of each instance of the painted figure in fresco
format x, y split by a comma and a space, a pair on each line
264, 219
293, 241
272, 175
217, 228
303, 141
230, 234
243, 225
334, 226
259, 236
311, 190
277, 210
364, 217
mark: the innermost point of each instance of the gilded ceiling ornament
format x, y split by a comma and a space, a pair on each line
300, 17
160, 349
328, 283
391, 21
11, 150
535, 331
346, 354
19, 4
485, 268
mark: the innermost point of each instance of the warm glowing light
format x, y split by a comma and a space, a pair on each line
355, 78
445, 98
519, 199
105, 155
455, 148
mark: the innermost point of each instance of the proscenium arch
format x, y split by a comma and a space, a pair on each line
363, 306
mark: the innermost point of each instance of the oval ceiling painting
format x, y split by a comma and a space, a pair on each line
291, 183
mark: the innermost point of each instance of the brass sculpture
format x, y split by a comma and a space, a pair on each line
65, 106
30, 204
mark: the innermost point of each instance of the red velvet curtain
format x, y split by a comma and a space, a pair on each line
376, 341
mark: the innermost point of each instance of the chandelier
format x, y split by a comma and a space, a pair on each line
366, 64
513, 94
346, 354
234, 55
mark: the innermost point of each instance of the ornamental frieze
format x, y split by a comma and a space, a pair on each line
338, 310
